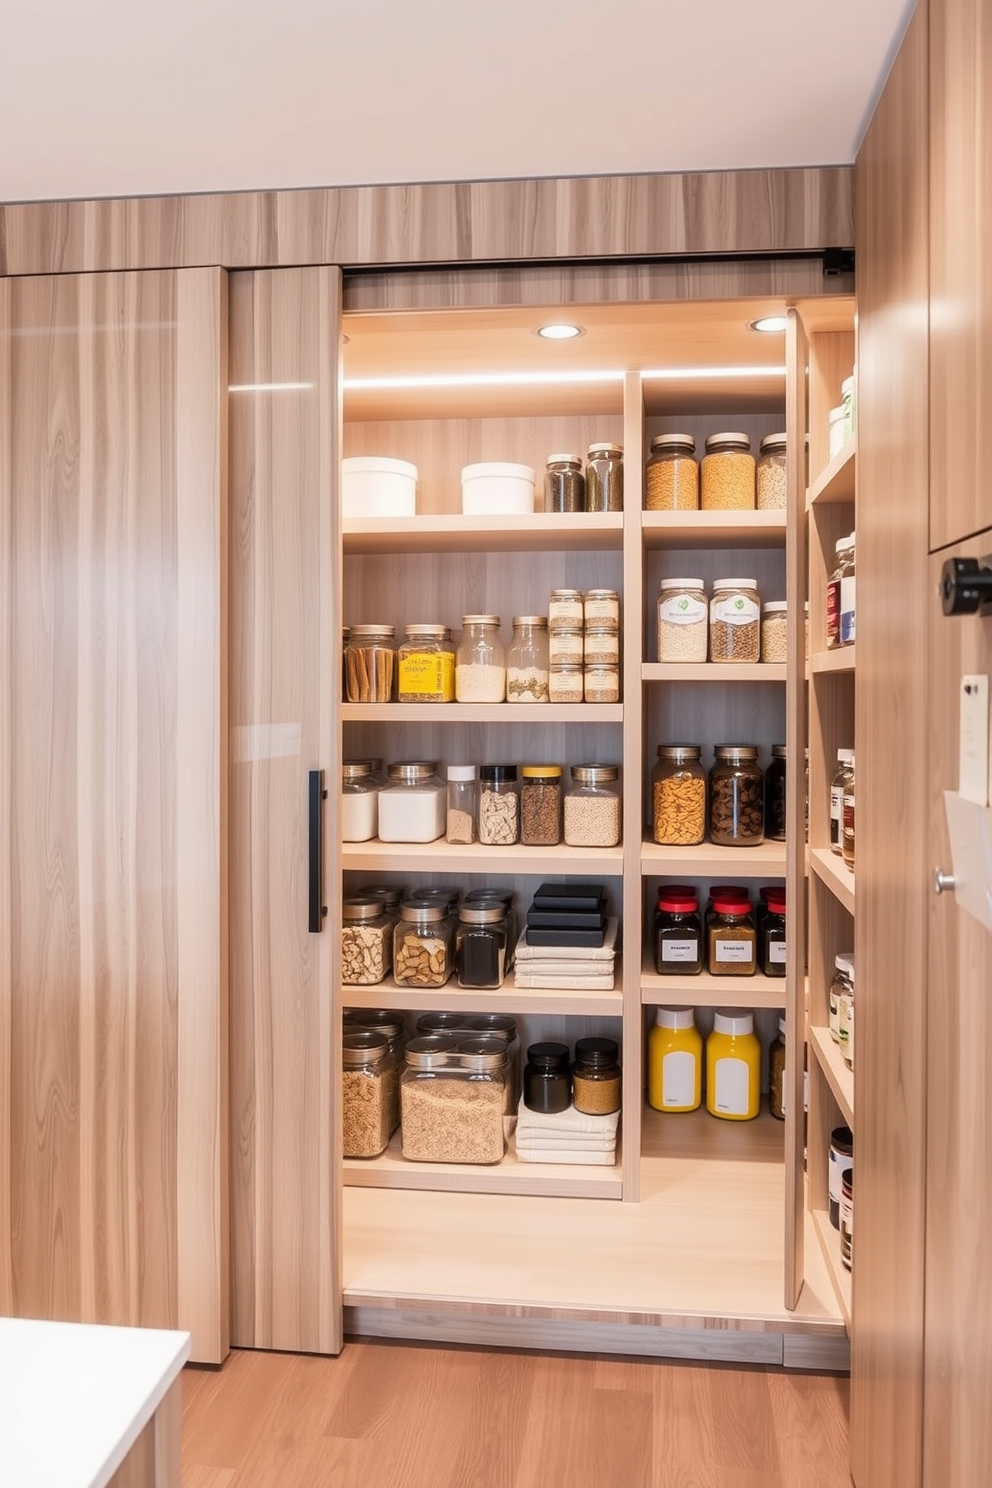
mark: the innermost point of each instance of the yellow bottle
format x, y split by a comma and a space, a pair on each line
733, 1067
675, 1061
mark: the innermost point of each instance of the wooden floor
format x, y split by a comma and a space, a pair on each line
388, 1415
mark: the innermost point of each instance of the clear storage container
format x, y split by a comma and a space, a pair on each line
736, 797
678, 932
463, 804
540, 805
452, 1101
366, 940
423, 945
735, 621
499, 806
370, 664
728, 473
683, 621
480, 661
775, 632
426, 665
601, 684
412, 807
678, 796
604, 478
672, 477
592, 807
527, 660
564, 484
369, 1071
483, 953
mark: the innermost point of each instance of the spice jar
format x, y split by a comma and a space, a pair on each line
841, 986
735, 628
601, 609
565, 611
566, 683
412, 807
842, 994
776, 1074
672, 477
848, 608
423, 945
773, 936
601, 646
775, 798
483, 954
601, 684
564, 484
499, 806
369, 663
847, 823
678, 796
540, 805
366, 940
775, 631
675, 1061
678, 932
566, 647
367, 1093
547, 1079
683, 620
527, 660
728, 473
604, 478
771, 481
480, 661
592, 807
731, 939
596, 1076
733, 1067
359, 802
736, 797
845, 758
463, 801
452, 1098
843, 569
426, 665
841, 1161
847, 1219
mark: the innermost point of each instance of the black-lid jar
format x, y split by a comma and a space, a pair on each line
547, 1079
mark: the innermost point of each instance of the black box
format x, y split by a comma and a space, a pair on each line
575, 919
592, 938
559, 896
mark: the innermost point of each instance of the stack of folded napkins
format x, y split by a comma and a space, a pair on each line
591, 967
567, 1137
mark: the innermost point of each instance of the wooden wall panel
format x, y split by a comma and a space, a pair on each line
285, 684
755, 212
891, 708
112, 420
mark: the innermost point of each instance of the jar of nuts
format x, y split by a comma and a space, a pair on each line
737, 797
678, 792
366, 941
423, 945
735, 621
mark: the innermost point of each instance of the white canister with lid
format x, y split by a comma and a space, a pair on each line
375, 486
412, 808
497, 489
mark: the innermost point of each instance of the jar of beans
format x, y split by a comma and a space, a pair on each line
775, 631
771, 486
540, 805
683, 620
678, 796
673, 474
592, 807
728, 473
736, 797
735, 621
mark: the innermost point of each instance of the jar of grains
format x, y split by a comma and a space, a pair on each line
423, 945
672, 478
392, 1024
463, 802
592, 807
480, 661
771, 485
601, 684
604, 478
678, 932
735, 628
499, 806
601, 609
678, 796
452, 1096
540, 805
728, 473
527, 660
366, 940
731, 939
775, 631
483, 953
775, 798
412, 808
359, 802
565, 684
566, 647
564, 484
565, 610
596, 1076
369, 663
683, 620
367, 1109
426, 665
601, 646
736, 796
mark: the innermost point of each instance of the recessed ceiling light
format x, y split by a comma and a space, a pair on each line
770, 323
560, 332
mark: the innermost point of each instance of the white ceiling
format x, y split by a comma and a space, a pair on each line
123, 97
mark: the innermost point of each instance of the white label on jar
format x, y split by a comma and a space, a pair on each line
678, 1079
682, 610
776, 952
679, 950
737, 610
836, 811
732, 1084
840, 1163
564, 646
602, 611
847, 622
734, 950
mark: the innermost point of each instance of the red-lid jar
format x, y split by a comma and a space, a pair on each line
678, 932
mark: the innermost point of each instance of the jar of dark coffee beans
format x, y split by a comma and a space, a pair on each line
736, 796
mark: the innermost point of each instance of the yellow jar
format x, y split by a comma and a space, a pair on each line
675, 1061
733, 1067
426, 665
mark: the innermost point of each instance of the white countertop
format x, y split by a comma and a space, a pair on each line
75, 1397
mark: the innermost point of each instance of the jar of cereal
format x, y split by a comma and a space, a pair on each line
683, 621
728, 473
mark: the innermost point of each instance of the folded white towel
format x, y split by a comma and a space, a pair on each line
605, 952
529, 981
565, 1123
552, 1155
539, 1141
567, 966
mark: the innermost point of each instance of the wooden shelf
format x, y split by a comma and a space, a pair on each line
713, 671
453, 533
692, 1136
840, 1278
839, 659
510, 1176
709, 861
709, 991
449, 857
509, 998
837, 1072
836, 483
834, 872
431, 713
713, 529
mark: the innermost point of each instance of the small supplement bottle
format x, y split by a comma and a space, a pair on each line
426, 665
733, 1067
604, 478
564, 484
841, 984
672, 477
463, 804
683, 621
678, 796
776, 1074
847, 822
728, 473
675, 1061
771, 483
678, 932
773, 935
480, 661
845, 758
547, 1079
841, 1161
596, 1079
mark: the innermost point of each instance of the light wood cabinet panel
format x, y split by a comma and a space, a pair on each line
285, 689
113, 789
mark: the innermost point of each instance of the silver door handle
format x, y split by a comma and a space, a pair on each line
943, 882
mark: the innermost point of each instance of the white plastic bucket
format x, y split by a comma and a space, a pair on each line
494, 489
374, 486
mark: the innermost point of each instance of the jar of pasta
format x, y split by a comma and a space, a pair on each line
678, 791
728, 473
672, 482
683, 621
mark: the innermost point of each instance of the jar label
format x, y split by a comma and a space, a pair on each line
428, 674
682, 610
776, 952
734, 950
736, 610
833, 611
678, 1079
602, 611
680, 950
732, 1095
836, 811
564, 646
847, 617
840, 1163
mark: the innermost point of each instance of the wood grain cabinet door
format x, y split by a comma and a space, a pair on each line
113, 825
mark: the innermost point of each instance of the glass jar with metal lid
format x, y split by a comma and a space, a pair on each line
565, 610
601, 609
423, 945
499, 806
736, 796
483, 954
412, 807
565, 683
527, 660
604, 478
775, 798
392, 1024
499, 1026
672, 477
566, 647
592, 807
596, 1078
368, 1084
683, 620
771, 484
601, 684
735, 621
601, 646
728, 473
452, 1097
678, 932
678, 796
480, 661
359, 802
775, 631
370, 664
426, 665
564, 484
366, 940
540, 805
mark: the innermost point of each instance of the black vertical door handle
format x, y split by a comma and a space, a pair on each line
315, 875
